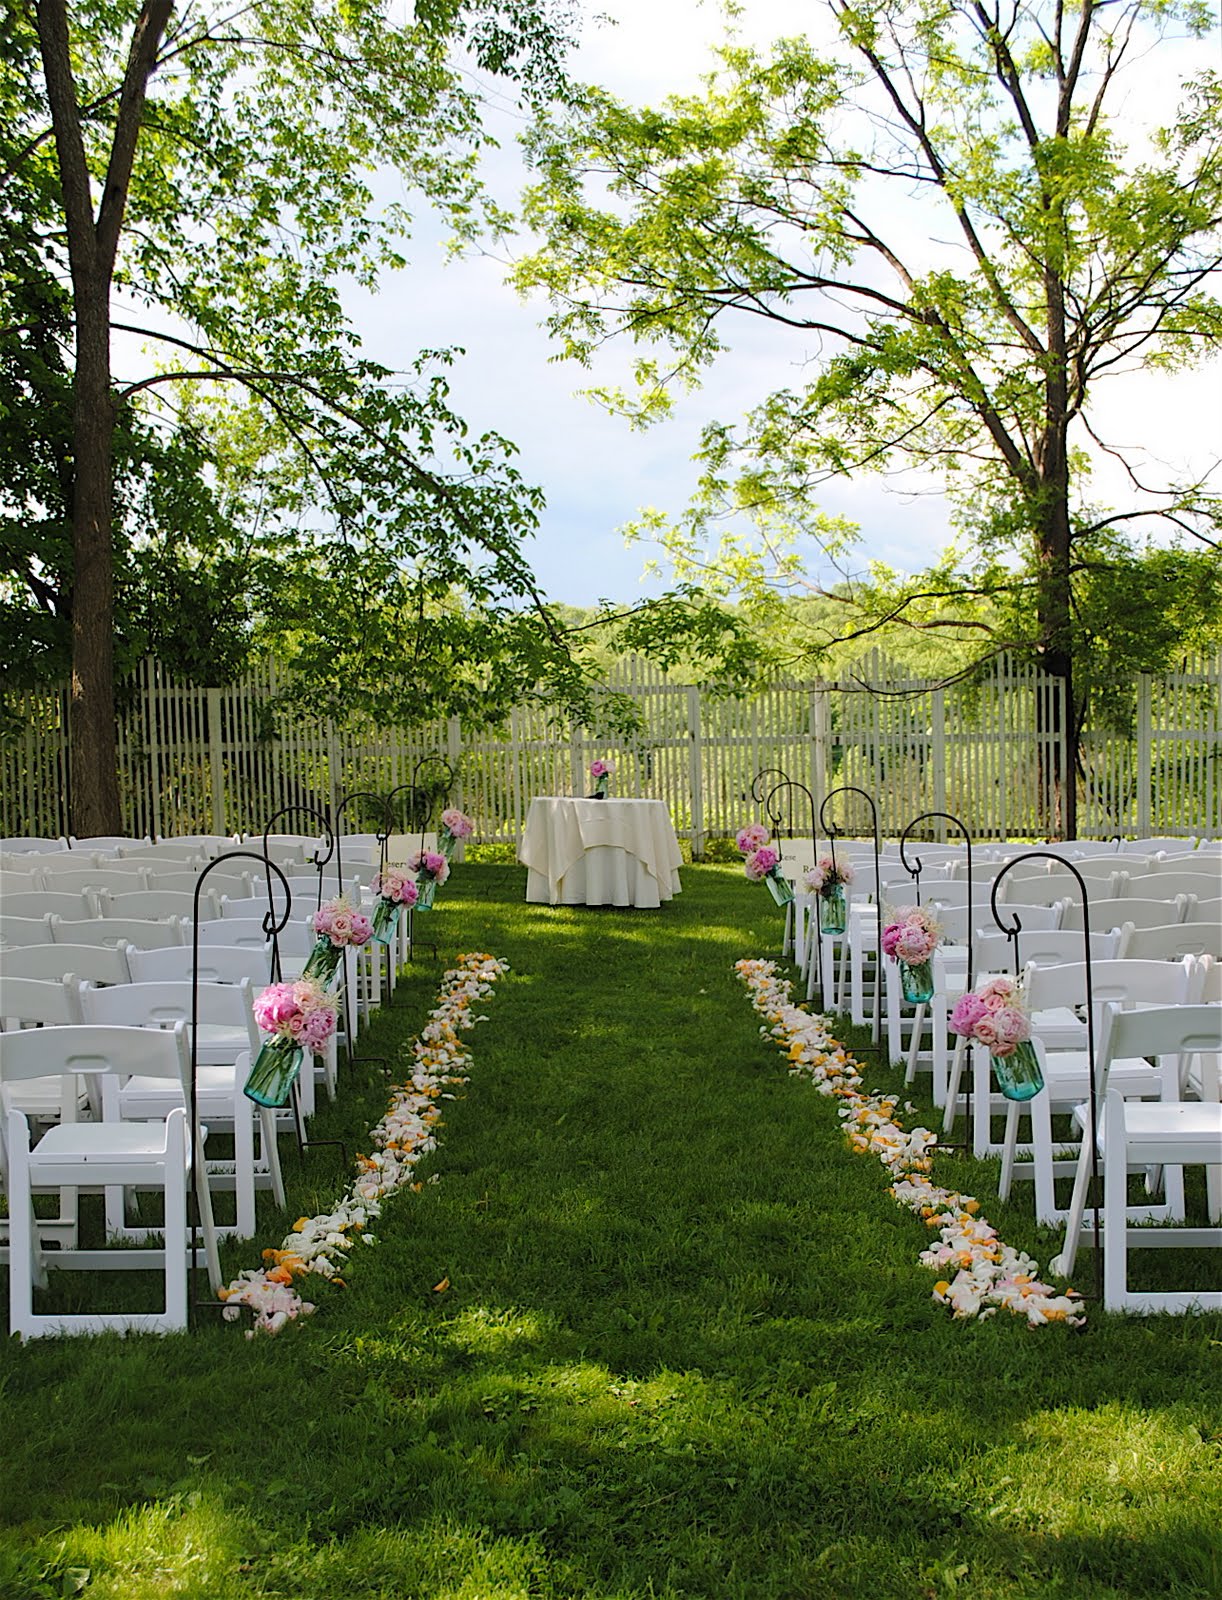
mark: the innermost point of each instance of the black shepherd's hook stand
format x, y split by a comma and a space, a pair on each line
829, 828
323, 852
271, 927
913, 868
319, 859
791, 921
761, 793
412, 790
380, 800
1012, 932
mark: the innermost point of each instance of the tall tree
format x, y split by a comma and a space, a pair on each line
201, 177
940, 200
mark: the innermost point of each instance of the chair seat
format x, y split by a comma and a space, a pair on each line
1177, 1132
102, 1142
213, 1081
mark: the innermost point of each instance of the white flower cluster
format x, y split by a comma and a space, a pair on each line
988, 1273
321, 1244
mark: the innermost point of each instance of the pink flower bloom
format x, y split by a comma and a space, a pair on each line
967, 1012
274, 1006
891, 938
985, 1032
318, 1028
601, 768
324, 919
362, 928
760, 863
457, 823
914, 944
1012, 1026
751, 837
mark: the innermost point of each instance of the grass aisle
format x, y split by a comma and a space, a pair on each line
685, 1348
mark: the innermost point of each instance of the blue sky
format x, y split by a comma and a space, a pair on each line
596, 471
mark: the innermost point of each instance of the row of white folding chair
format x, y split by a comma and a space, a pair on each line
1138, 1135
1205, 882
29, 843
86, 905
227, 1039
1058, 991
102, 1155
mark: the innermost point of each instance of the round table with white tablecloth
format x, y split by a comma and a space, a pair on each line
599, 852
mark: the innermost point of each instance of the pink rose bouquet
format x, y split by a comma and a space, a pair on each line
300, 1012
994, 1015
394, 889
457, 823
911, 936
601, 768
827, 875
763, 865
751, 837
430, 864
338, 925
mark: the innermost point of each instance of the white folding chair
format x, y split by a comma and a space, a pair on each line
80, 1155
1171, 942
1053, 991
42, 1003
28, 844
68, 906
227, 1041
1140, 912
155, 903
142, 932
1138, 1135
16, 933
1205, 884
50, 963
217, 964
95, 880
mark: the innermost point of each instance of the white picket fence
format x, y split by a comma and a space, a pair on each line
198, 759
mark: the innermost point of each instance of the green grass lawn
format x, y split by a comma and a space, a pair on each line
686, 1348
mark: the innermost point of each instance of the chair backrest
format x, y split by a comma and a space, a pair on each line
1205, 883
27, 843
16, 933
162, 1005
1105, 913
1040, 919
88, 1049
184, 882
1157, 1031
1102, 874
1154, 846
246, 933
107, 843
83, 879
1172, 941
189, 855
94, 963
71, 907
57, 862
1125, 983
1209, 980
20, 882
145, 933
217, 964
38, 1001
1202, 910
155, 903
954, 892
982, 871
1051, 947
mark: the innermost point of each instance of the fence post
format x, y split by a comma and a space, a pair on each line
1145, 759
696, 770
938, 732
818, 751
216, 761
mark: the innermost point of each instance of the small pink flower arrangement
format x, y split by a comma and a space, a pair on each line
601, 768
827, 875
751, 837
912, 936
339, 922
994, 1015
761, 862
395, 885
457, 824
431, 863
300, 1013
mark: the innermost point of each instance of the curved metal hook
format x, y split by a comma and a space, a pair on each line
830, 829
766, 772
297, 809
1012, 933
947, 816
382, 835
441, 761
789, 784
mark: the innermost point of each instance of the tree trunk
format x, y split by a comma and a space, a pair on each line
1058, 719
94, 742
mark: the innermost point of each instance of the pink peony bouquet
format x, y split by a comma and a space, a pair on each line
760, 863
300, 1013
751, 837
457, 824
601, 768
394, 885
430, 864
912, 936
994, 1015
341, 924
827, 875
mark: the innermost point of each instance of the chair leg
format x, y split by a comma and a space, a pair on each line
269, 1152
1115, 1207
1063, 1264
952, 1087
244, 1165
1009, 1150
21, 1247
175, 1175
918, 1028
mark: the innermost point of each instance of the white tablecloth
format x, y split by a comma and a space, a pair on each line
599, 853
